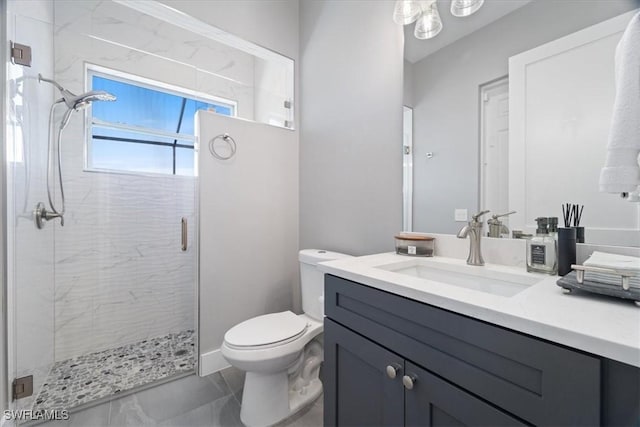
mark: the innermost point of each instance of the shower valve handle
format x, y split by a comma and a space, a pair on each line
41, 214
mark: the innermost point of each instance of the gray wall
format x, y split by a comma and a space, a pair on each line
407, 76
351, 126
446, 98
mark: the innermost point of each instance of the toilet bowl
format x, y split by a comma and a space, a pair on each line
282, 352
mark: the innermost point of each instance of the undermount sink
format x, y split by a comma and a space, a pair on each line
485, 279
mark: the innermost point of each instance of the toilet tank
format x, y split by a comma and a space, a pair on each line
312, 280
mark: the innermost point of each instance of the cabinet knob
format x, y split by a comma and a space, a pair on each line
409, 380
393, 369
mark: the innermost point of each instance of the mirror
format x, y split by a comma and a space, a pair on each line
457, 88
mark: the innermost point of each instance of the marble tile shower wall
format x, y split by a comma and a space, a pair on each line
120, 274
119, 271
30, 263
114, 36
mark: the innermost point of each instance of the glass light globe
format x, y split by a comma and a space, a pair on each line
429, 24
462, 8
406, 11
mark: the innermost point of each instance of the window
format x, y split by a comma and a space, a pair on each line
148, 129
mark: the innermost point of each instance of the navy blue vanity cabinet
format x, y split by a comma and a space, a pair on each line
392, 361
363, 392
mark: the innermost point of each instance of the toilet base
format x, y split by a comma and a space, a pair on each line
300, 399
267, 398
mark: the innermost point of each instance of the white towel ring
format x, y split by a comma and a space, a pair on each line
231, 143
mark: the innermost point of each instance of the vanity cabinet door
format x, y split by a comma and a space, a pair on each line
358, 391
434, 402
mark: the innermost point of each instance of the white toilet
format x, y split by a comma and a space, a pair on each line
282, 352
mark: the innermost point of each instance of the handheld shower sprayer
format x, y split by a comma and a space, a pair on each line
78, 102
73, 103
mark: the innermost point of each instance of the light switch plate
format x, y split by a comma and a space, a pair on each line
461, 215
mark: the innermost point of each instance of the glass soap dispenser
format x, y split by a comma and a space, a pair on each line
542, 250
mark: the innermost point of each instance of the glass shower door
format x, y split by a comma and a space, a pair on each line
30, 261
125, 289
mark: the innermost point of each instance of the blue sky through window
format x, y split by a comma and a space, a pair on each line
154, 110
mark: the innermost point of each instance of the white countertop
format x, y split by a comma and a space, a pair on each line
598, 325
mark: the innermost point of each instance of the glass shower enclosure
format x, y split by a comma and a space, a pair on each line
105, 303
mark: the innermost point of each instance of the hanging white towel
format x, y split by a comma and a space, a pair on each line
621, 172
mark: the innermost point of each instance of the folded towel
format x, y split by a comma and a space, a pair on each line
621, 172
624, 263
610, 279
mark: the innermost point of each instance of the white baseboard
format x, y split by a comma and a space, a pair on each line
211, 362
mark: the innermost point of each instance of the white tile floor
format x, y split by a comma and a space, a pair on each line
191, 401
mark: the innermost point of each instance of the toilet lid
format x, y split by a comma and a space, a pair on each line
266, 329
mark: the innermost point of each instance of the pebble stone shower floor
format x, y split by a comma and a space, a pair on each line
82, 379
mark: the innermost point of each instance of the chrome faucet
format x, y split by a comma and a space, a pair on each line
474, 230
496, 227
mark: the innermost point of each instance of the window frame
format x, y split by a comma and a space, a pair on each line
91, 70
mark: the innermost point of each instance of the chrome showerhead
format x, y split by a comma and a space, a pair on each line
77, 102
83, 100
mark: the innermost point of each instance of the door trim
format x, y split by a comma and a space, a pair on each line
484, 90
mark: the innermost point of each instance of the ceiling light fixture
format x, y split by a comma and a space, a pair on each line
425, 14
429, 23
406, 11
462, 8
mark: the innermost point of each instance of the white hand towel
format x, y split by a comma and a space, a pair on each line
621, 172
626, 263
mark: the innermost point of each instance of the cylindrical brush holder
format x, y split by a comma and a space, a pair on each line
579, 234
566, 249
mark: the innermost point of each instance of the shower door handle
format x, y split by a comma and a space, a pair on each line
184, 234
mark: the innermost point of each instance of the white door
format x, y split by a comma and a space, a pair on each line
494, 147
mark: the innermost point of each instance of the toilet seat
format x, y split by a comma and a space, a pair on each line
265, 331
